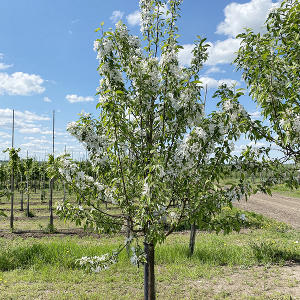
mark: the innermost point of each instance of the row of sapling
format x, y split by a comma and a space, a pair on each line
27, 171
158, 157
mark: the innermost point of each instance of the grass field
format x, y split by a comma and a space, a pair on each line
285, 191
260, 262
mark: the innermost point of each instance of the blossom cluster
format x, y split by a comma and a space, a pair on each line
97, 263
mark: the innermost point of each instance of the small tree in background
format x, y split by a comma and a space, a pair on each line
158, 158
28, 162
12, 168
22, 185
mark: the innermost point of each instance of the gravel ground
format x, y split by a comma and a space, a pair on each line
281, 208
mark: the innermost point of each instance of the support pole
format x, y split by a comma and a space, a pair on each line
12, 176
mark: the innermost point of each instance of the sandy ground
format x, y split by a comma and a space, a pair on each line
281, 208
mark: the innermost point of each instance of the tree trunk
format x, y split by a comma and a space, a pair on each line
27, 208
22, 200
192, 239
12, 200
50, 205
43, 188
128, 232
149, 279
22, 194
65, 193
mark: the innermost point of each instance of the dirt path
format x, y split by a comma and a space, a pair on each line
281, 208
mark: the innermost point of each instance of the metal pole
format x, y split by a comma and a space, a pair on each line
52, 179
12, 176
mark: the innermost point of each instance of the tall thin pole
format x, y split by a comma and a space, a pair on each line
64, 199
13, 129
52, 179
53, 119
27, 188
12, 175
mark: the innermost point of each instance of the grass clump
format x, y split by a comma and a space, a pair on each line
275, 252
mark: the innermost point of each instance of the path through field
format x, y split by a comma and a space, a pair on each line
281, 208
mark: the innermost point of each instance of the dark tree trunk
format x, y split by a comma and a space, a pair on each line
149, 279
50, 204
65, 193
22, 200
128, 232
12, 200
27, 208
192, 239
43, 189
17, 183
22, 194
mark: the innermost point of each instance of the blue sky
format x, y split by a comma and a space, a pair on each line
47, 60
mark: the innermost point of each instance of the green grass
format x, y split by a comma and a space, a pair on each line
46, 266
257, 247
286, 191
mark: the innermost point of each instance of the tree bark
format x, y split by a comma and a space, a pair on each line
50, 204
149, 278
22, 200
22, 194
27, 208
128, 232
12, 200
65, 193
192, 239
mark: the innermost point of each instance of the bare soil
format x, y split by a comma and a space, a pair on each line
278, 207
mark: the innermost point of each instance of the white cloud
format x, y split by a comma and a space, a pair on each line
185, 55
75, 98
214, 70
38, 141
255, 115
256, 144
252, 14
20, 83
1, 55
214, 83
4, 135
30, 130
116, 16
23, 120
26, 115
222, 52
4, 66
47, 99
134, 18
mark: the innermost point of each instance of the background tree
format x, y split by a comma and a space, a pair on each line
270, 63
12, 168
28, 162
22, 184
